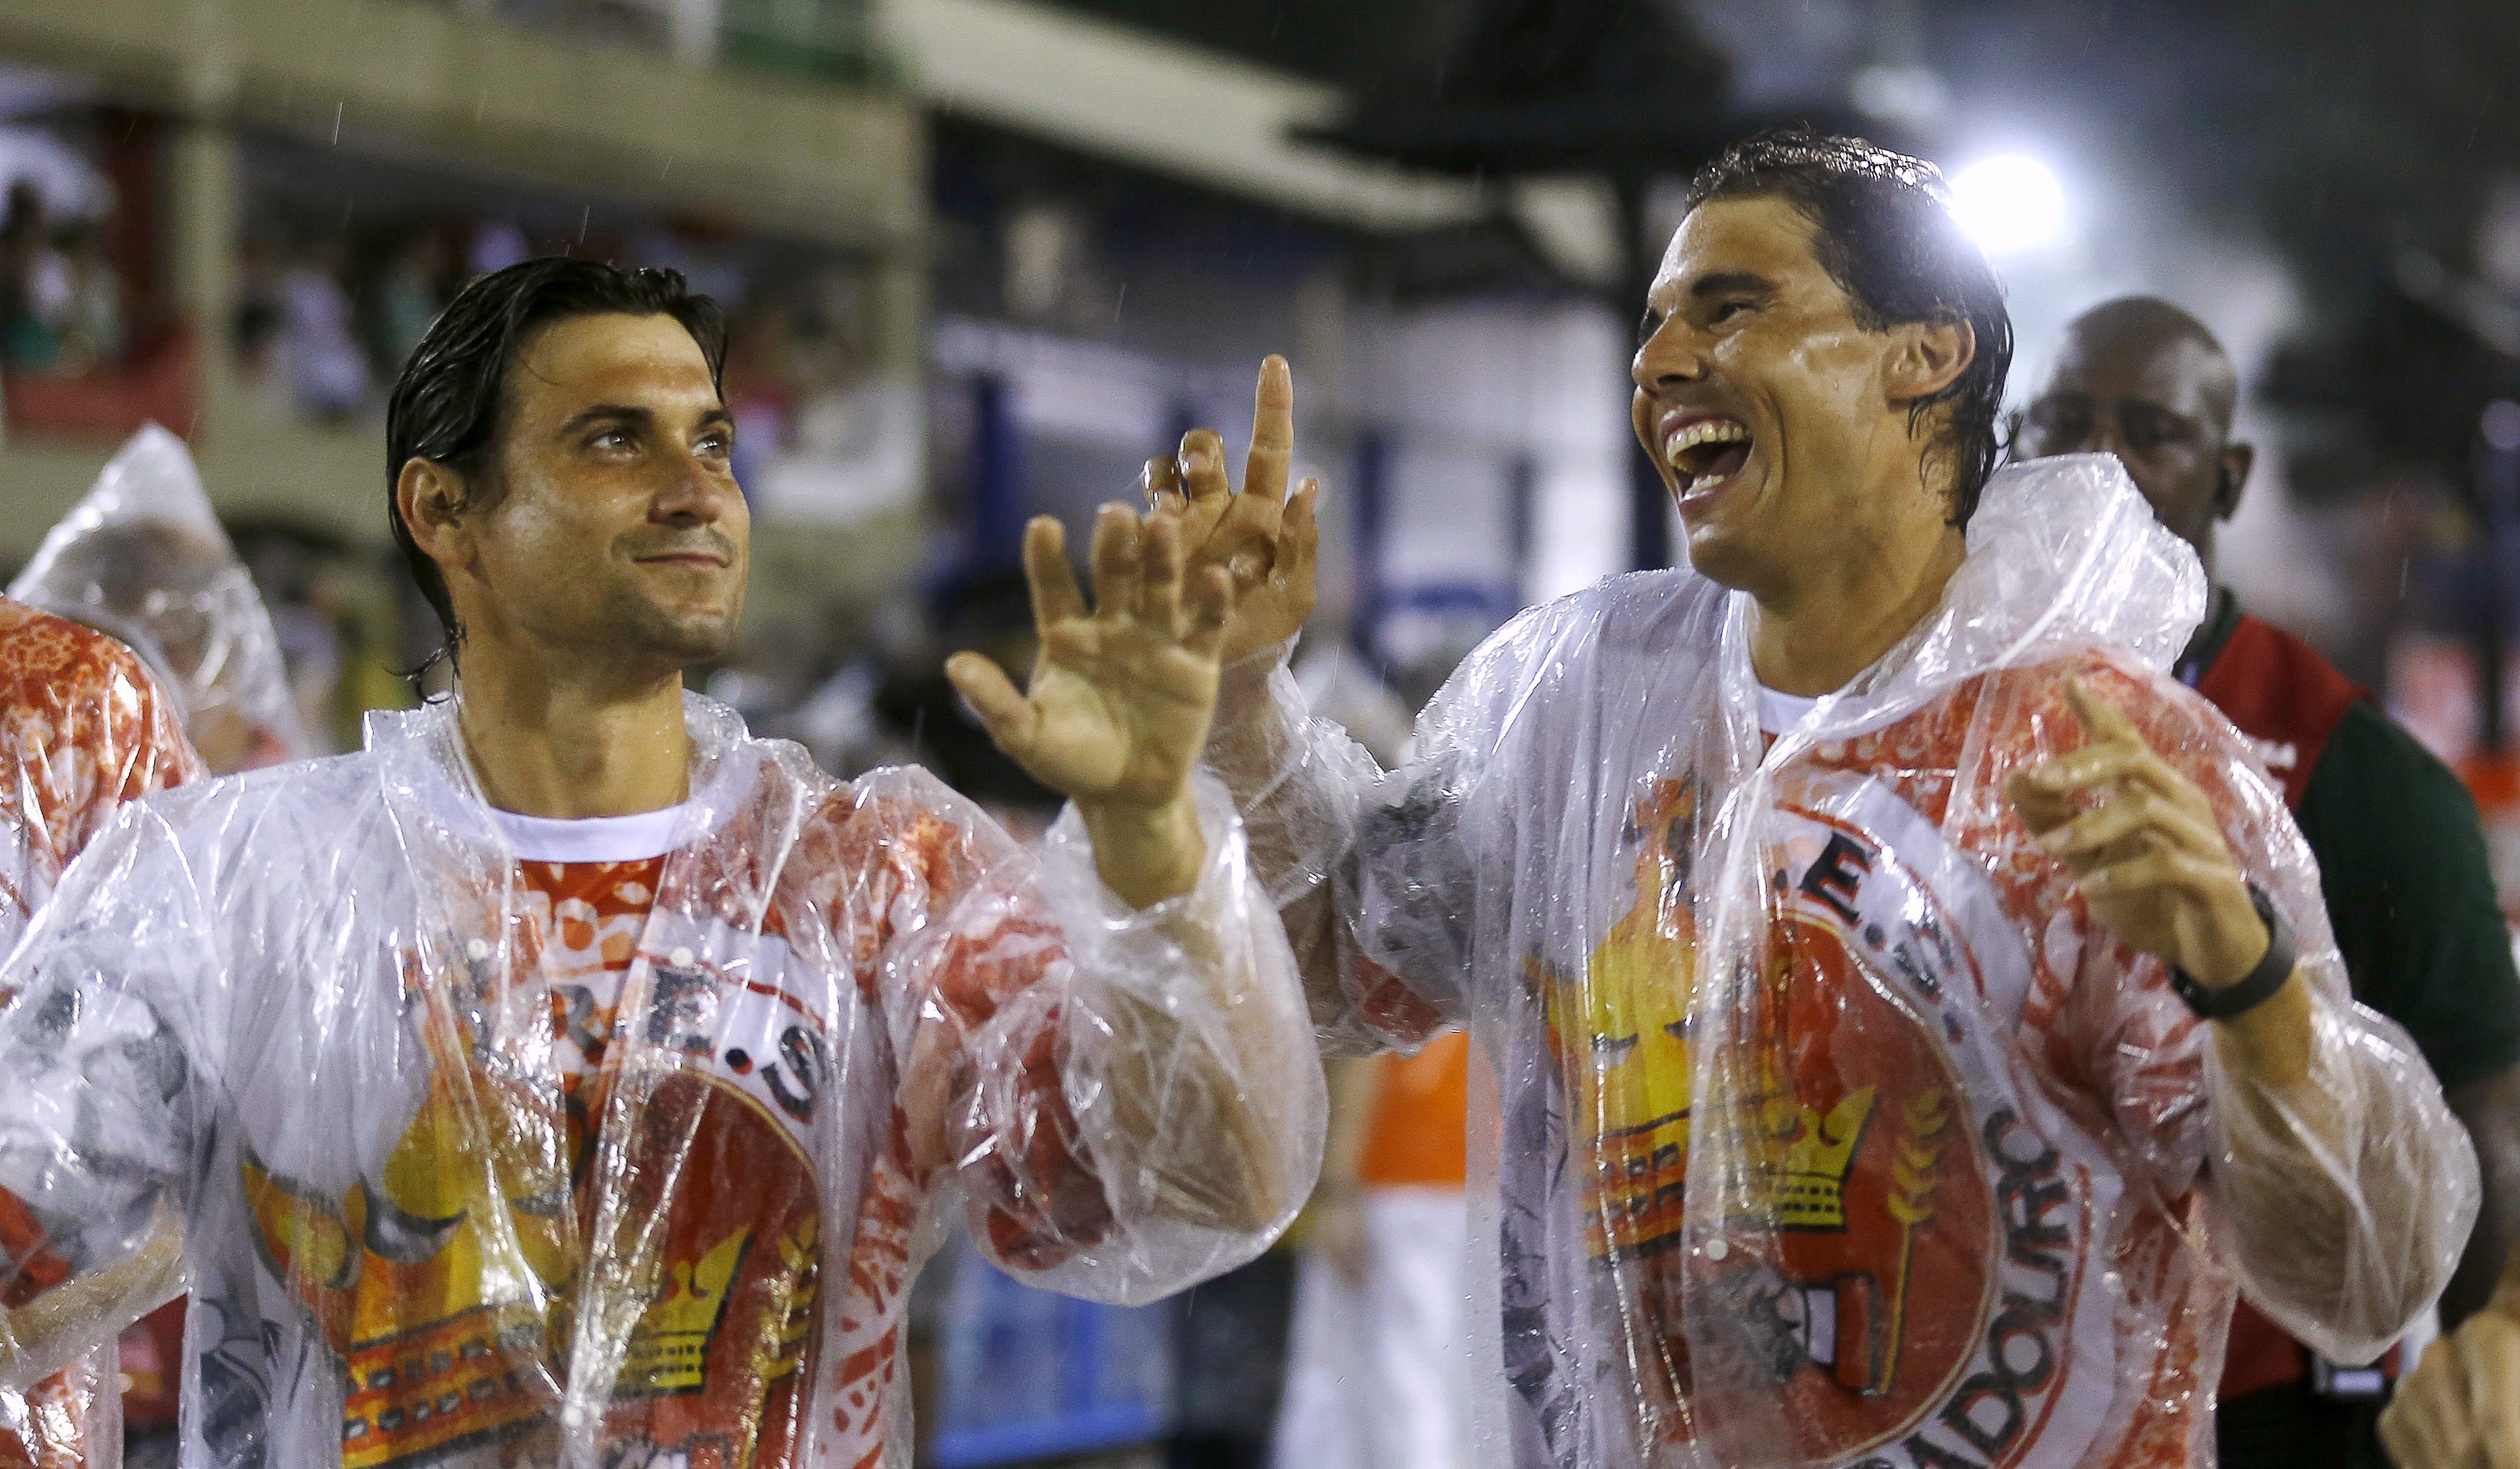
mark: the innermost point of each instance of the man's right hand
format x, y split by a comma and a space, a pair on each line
2461, 1407
1266, 542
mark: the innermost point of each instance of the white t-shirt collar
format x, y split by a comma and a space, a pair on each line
634, 837
1781, 713
1778, 713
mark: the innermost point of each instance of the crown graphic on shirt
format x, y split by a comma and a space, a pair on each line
669, 1347
1806, 1155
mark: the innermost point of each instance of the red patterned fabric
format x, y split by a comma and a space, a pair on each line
83, 730
2101, 1021
721, 1367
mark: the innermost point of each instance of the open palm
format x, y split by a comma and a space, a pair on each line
1118, 704
1266, 542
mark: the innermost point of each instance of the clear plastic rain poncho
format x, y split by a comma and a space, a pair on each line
453, 1188
1833, 1131
141, 558
83, 730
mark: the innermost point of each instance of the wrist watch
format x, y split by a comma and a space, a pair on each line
2259, 984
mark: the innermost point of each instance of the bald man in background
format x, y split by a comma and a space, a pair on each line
2401, 858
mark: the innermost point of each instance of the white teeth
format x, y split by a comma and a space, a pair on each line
1704, 430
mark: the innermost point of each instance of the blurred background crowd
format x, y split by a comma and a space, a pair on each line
981, 258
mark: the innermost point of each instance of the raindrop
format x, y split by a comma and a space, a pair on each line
336, 122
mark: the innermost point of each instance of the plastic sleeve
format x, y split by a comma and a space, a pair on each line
2348, 1196
1298, 781
1136, 1101
143, 557
1368, 868
96, 1126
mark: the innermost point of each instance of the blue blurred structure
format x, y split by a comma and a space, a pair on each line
1028, 1375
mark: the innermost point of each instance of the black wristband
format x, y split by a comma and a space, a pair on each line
2259, 984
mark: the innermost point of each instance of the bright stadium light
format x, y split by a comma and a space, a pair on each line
2010, 204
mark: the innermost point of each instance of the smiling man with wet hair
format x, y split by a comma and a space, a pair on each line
1884, 239
1909, 1007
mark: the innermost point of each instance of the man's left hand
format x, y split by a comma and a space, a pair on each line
2143, 846
1118, 706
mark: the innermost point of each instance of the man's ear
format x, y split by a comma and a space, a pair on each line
431, 500
2237, 460
1928, 357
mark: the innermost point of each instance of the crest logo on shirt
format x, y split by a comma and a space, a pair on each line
448, 1284
1900, 1276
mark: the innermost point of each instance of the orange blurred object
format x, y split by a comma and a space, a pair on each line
1419, 1112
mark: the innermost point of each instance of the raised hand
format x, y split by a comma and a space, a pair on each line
1119, 703
2153, 866
2142, 841
1265, 541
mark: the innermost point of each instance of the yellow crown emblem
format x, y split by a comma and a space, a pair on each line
669, 1347
1807, 1155
790, 1312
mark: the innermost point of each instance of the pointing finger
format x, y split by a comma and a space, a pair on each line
2101, 719
1052, 580
1273, 432
1010, 716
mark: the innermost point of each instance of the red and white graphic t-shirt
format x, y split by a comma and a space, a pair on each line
718, 1186
2028, 1085
1969, 1137
715, 1368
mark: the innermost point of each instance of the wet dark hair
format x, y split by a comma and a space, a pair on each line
1882, 228
450, 404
